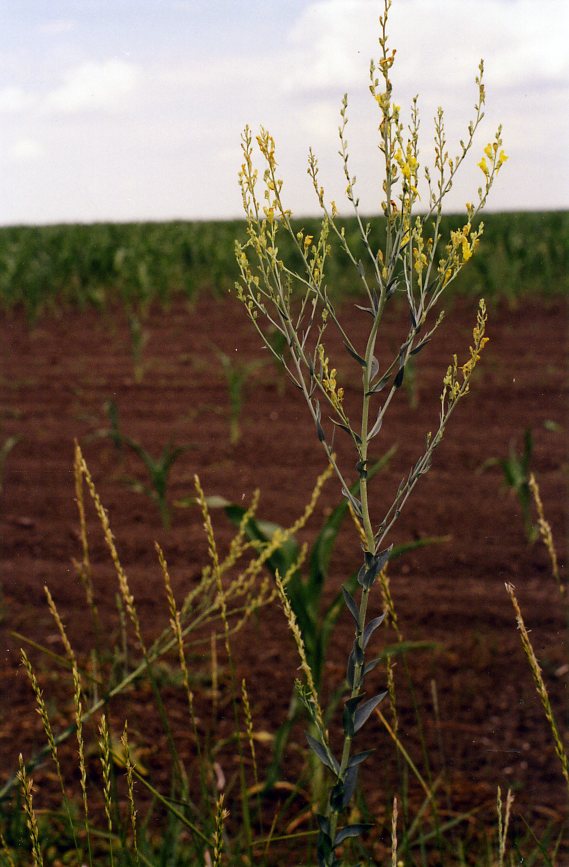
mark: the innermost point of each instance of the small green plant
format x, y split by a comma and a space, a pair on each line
158, 469
517, 473
138, 339
415, 264
159, 473
236, 375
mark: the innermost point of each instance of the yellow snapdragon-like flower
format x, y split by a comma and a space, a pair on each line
484, 166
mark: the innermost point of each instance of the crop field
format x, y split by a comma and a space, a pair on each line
128, 369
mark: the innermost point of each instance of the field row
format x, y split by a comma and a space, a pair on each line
138, 263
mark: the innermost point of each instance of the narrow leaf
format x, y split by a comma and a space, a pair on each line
323, 754
377, 425
374, 367
351, 831
351, 605
350, 781
355, 355
364, 712
324, 825
348, 430
371, 627
421, 345
359, 758
369, 666
379, 386
398, 381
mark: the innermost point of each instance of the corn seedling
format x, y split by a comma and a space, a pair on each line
158, 469
138, 340
517, 472
236, 375
411, 264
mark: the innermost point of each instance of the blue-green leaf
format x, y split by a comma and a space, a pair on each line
364, 712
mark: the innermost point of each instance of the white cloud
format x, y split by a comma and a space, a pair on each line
26, 150
94, 87
14, 100
524, 42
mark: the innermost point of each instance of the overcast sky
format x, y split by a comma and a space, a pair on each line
133, 109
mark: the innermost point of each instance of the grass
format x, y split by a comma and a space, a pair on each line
45, 268
193, 808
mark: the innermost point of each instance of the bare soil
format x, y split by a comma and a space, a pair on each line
56, 377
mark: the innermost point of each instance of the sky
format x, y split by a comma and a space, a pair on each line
133, 109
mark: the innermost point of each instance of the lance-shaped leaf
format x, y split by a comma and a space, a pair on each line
354, 354
353, 500
364, 712
348, 430
351, 605
398, 381
369, 666
379, 386
350, 782
319, 430
421, 345
324, 825
356, 657
348, 715
369, 310
351, 831
323, 754
359, 758
370, 629
377, 425
374, 369
373, 565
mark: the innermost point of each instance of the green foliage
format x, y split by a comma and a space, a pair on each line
236, 374
517, 470
49, 267
158, 469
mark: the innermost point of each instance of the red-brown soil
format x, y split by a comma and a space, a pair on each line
56, 377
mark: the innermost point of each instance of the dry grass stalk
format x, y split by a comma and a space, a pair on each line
106, 764
394, 816
297, 635
249, 728
545, 532
504, 812
127, 596
26, 784
221, 814
540, 684
129, 767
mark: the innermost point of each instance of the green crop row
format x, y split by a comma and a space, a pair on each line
134, 264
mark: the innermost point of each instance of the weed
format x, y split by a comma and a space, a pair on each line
293, 297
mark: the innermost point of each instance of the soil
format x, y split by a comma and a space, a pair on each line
489, 729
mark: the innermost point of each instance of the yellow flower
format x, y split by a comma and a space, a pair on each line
307, 241
484, 166
502, 158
